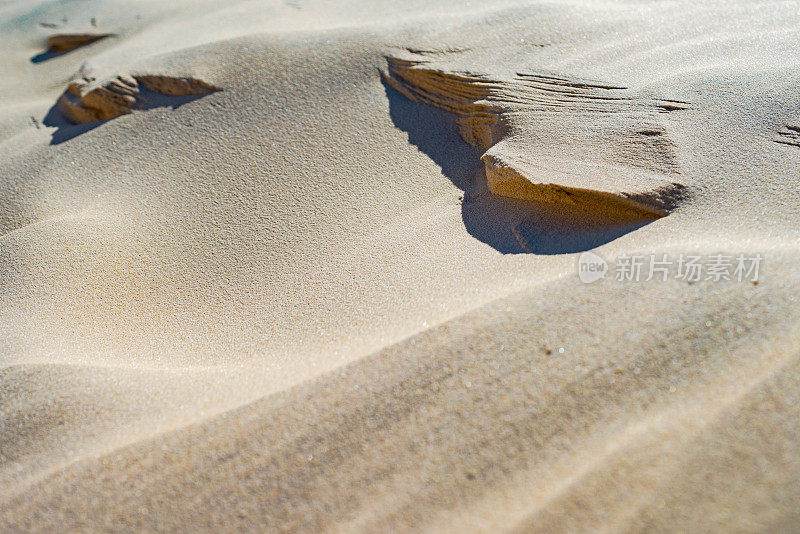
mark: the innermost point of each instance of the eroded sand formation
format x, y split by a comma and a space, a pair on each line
64, 42
621, 160
87, 100
790, 135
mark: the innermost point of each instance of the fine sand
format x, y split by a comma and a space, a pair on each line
314, 266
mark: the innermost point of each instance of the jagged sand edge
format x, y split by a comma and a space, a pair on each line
479, 101
84, 102
64, 42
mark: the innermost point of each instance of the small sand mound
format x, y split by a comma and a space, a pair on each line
64, 42
86, 101
617, 157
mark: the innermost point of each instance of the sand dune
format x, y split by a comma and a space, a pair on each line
313, 266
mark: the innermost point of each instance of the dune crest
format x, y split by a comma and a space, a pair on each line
86, 101
623, 162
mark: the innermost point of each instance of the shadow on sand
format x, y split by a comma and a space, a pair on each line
510, 226
66, 129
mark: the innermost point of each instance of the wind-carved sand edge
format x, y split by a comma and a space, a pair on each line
64, 42
620, 127
790, 135
85, 100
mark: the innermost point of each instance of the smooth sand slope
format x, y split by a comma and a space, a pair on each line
316, 266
